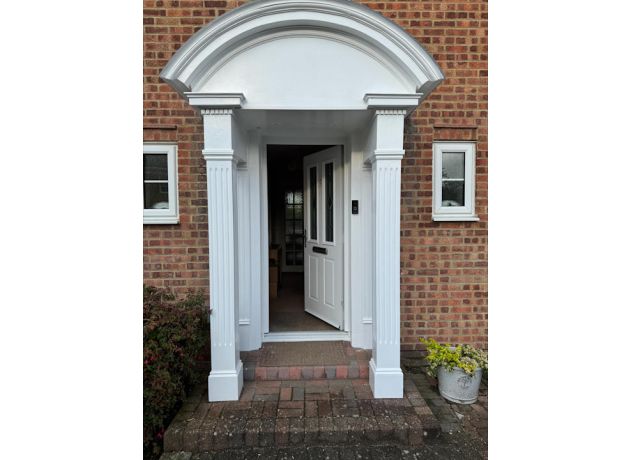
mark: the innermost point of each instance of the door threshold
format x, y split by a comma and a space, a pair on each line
306, 336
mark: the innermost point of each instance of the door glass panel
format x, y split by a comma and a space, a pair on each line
313, 199
328, 171
293, 226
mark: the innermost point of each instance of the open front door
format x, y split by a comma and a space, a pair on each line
323, 252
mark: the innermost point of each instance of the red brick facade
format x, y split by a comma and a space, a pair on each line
443, 264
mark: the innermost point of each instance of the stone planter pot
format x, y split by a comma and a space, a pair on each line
457, 386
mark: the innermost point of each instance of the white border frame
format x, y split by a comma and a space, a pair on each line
170, 215
345, 163
454, 213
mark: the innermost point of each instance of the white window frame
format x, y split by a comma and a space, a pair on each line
454, 213
170, 215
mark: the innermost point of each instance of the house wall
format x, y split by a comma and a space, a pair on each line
443, 264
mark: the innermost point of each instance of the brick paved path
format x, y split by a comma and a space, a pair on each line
332, 419
451, 449
455, 417
301, 413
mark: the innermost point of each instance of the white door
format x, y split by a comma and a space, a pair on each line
323, 252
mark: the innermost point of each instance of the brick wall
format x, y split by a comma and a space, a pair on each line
443, 265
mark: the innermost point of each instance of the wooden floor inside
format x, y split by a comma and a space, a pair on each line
286, 311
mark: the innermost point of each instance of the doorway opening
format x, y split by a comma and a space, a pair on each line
304, 192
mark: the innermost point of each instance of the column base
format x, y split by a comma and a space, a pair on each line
386, 383
225, 385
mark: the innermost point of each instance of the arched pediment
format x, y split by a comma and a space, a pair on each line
302, 54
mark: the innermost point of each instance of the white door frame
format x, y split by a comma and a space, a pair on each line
345, 332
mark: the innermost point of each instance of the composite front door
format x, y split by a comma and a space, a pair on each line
323, 252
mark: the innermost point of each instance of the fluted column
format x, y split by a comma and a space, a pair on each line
225, 381
386, 378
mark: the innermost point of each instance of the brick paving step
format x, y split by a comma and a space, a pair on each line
252, 371
306, 361
297, 412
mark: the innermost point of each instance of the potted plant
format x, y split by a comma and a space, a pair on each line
458, 369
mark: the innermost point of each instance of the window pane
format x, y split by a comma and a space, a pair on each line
288, 227
313, 198
453, 193
155, 196
288, 212
288, 241
155, 166
288, 197
297, 212
290, 260
453, 165
299, 258
298, 198
329, 201
298, 227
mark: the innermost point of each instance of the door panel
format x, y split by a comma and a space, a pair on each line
323, 198
329, 285
311, 276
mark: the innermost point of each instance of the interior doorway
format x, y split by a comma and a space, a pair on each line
304, 191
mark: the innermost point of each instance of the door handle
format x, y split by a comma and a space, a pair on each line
319, 250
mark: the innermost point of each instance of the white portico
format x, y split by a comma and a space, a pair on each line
320, 72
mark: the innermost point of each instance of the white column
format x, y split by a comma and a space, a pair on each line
225, 381
385, 155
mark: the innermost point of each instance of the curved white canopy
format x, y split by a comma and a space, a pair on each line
302, 54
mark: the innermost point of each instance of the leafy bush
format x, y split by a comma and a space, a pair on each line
174, 332
468, 358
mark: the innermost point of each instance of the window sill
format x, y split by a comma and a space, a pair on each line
455, 218
160, 220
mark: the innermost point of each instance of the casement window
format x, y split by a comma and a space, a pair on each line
160, 184
454, 181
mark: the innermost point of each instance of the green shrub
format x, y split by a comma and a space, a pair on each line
468, 358
174, 332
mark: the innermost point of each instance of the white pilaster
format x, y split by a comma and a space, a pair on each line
225, 381
385, 154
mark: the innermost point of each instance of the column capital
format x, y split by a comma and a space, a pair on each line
399, 112
217, 111
221, 135
219, 155
385, 154
395, 104
215, 100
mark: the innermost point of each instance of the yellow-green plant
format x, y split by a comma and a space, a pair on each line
467, 358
